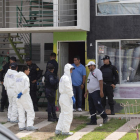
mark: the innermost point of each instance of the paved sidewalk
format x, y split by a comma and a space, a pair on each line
39, 125
89, 128
119, 133
8, 124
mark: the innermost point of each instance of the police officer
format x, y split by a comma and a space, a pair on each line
35, 74
110, 79
54, 62
3, 71
51, 84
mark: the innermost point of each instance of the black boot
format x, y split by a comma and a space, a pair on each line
112, 110
50, 118
92, 123
55, 116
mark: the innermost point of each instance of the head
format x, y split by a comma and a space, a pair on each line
13, 66
53, 56
68, 68
51, 67
106, 59
13, 59
28, 61
77, 60
91, 65
26, 70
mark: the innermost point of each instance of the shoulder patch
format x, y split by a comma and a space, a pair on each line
117, 71
37, 69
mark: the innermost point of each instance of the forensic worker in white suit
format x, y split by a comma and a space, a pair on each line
66, 101
24, 101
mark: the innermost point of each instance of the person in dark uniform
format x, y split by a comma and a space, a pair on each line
110, 79
54, 62
35, 74
51, 84
3, 71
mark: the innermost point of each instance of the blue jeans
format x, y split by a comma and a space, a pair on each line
77, 92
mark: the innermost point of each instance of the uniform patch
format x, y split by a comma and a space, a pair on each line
37, 69
117, 71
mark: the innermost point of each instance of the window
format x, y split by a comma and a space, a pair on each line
118, 7
48, 49
126, 58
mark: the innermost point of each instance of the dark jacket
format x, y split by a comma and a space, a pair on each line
110, 74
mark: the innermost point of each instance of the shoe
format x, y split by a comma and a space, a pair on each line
67, 133
8, 120
74, 110
1, 110
14, 121
31, 128
57, 132
79, 109
55, 117
105, 120
51, 120
112, 112
92, 123
22, 129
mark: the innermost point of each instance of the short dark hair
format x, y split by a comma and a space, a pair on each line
14, 68
25, 68
53, 55
77, 56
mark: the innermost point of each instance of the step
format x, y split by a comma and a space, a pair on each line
40, 6
48, 20
40, 12
36, 1
37, 25
20, 48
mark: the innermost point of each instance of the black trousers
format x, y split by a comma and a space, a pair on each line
94, 100
50, 95
33, 89
108, 92
4, 98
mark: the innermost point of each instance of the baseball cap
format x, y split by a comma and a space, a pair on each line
91, 63
13, 58
105, 57
28, 59
50, 66
13, 65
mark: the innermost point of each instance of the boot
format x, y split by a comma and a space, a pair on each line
50, 118
54, 116
105, 120
31, 128
112, 110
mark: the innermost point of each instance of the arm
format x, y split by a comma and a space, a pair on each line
116, 75
39, 72
53, 81
68, 88
1, 76
26, 87
86, 93
84, 77
101, 88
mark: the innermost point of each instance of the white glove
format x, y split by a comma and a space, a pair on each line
43, 78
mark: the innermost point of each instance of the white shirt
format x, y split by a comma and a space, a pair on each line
93, 82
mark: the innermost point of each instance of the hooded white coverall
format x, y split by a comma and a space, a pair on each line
9, 83
65, 100
24, 103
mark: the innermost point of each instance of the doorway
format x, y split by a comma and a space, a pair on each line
66, 53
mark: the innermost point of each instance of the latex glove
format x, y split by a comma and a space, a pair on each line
43, 78
19, 95
73, 98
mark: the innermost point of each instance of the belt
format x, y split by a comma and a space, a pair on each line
107, 84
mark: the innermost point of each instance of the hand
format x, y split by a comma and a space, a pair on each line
113, 86
101, 94
73, 98
82, 86
85, 95
2, 83
19, 95
34, 81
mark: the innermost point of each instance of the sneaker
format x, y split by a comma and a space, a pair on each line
79, 109
31, 128
74, 110
14, 121
105, 120
92, 123
22, 129
57, 132
67, 133
8, 120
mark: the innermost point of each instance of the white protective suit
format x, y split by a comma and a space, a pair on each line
9, 83
24, 103
65, 100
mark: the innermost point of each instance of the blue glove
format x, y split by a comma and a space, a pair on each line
19, 95
73, 99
